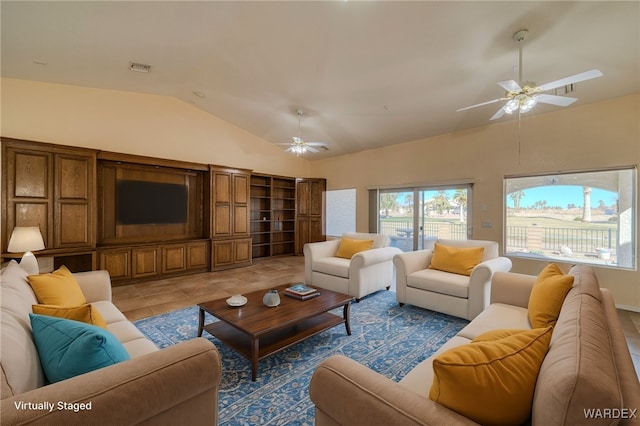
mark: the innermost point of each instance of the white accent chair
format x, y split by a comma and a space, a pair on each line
453, 294
365, 273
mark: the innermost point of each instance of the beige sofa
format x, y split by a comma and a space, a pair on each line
365, 273
588, 366
175, 385
453, 294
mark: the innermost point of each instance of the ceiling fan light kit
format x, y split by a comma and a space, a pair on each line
523, 96
298, 146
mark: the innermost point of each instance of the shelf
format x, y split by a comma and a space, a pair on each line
273, 198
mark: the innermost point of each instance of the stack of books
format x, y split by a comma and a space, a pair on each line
301, 291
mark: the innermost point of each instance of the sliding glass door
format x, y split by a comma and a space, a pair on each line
415, 217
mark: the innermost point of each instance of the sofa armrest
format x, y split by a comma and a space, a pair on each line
95, 285
511, 288
408, 263
176, 385
412, 261
313, 251
374, 256
346, 392
480, 283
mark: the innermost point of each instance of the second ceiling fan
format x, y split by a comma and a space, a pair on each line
523, 96
298, 146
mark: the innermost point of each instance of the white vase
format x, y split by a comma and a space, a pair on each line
271, 298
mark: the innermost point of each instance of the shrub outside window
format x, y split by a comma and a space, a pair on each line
585, 217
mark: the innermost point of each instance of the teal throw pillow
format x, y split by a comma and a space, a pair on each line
68, 348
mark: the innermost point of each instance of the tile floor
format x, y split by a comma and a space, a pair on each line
150, 298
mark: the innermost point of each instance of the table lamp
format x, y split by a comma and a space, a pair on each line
24, 239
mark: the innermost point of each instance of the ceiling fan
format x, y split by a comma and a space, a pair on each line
297, 145
524, 96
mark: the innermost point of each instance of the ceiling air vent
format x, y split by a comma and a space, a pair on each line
564, 90
138, 67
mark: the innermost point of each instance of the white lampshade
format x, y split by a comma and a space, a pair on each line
24, 239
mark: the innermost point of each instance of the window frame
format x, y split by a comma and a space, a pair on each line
375, 207
593, 257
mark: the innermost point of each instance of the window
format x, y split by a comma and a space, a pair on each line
586, 217
415, 217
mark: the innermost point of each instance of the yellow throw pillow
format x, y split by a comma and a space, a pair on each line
57, 288
348, 247
492, 383
455, 260
84, 313
547, 296
497, 334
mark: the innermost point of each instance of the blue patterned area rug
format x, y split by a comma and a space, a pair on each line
385, 337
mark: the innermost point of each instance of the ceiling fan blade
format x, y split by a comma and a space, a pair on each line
482, 104
510, 85
498, 114
315, 143
555, 100
587, 75
312, 149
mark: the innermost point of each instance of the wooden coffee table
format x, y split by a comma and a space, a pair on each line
257, 331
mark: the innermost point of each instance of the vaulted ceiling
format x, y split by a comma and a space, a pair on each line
366, 74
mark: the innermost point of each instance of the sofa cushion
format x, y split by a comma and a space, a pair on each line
491, 382
57, 288
440, 282
547, 296
579, 371
336, 266
20, 362
84, 313
109, 311
69, 348
423, 372
349, 247
496, 316
455, 260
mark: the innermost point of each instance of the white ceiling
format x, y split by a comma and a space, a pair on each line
366, 74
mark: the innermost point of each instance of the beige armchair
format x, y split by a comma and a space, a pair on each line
365, 273
453, 294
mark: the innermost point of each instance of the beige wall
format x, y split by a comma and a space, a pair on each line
135, 123
585, 137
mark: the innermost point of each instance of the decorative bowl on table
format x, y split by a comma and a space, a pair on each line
236, 300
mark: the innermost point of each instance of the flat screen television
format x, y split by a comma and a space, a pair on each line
144, 203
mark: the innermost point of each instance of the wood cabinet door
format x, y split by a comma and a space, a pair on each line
145, 262
316, 230
222, 219
302, 233
74, 200
240, 188
197, 255
222, 253
302, 198
242, 251
222, 187
316, 190
29, 194
117, 263
240, 219
174, 258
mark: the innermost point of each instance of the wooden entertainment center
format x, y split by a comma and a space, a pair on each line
144, 218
